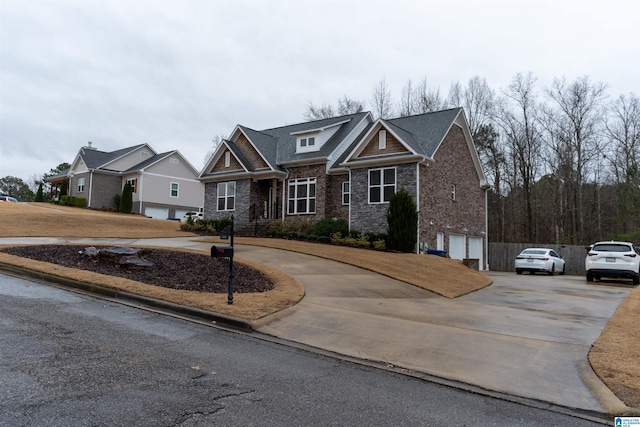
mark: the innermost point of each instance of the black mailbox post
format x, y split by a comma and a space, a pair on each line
226, 252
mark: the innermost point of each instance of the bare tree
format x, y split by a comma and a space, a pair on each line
344, 106
381, 100
427, 99
406, 107
324, 111
574, 125
522, 134
623, 134
347, 106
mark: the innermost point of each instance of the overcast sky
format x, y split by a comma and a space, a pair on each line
175, 74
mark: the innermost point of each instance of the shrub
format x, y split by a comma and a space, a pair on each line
126, 201
355, 234
379, 245
402, 220
79, 202
327, 227
324, 239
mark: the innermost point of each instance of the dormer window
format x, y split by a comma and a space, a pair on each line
306, 143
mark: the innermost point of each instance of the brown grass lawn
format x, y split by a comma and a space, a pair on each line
615, 357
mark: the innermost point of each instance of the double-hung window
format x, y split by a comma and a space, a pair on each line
174, 189
382, 185
80, 184
302, 196
345, 193
226, 196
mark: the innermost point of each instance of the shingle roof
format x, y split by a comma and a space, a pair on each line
286, 142
96, 158
425, 131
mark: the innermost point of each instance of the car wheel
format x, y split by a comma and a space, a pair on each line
553, 269
589, 277
636, 279
563, 268
518, 271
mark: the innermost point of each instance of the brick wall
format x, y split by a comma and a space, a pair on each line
309, 171
335, 208
452, 166
242, 202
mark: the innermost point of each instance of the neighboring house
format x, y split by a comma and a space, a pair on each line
164, 185
348, 167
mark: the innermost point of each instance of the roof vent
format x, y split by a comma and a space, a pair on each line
89, 147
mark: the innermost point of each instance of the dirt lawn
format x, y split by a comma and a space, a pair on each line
615, 356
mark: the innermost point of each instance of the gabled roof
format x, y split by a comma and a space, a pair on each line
157, 159
95, 159
277, 146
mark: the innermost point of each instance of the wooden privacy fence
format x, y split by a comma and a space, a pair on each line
503, 255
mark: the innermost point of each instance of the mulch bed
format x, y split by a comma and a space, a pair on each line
174, 270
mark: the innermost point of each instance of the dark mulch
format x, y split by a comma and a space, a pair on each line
174, 270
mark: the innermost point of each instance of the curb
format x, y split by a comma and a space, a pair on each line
102, 291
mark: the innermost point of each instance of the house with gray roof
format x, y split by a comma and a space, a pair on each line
165, 185
349, 167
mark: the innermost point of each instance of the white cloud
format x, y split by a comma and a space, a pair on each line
176, 74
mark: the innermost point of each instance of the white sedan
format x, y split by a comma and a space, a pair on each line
539, 259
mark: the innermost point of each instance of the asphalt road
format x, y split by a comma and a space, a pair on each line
68, 359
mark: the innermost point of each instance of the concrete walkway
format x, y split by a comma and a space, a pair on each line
526, 336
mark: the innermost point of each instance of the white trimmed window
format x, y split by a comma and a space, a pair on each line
382, 185
453, 192
227, 196
382, 140
227, 159
345, 193
80, 184
134, 184
174, 161
306, 144
302, 196
174, 189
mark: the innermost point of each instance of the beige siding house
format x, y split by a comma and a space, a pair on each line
164, 185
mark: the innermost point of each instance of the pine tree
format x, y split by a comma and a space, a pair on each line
402, 220
126, 201
39, 194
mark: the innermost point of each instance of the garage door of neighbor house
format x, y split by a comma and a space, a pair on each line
180, 213
457, 246
475, 250
160, 213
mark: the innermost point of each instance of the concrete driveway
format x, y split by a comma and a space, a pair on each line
526, 336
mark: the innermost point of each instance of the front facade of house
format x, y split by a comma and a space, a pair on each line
348, 167
164, 185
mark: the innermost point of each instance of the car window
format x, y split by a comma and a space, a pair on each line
554, 254
611, 247
533, 252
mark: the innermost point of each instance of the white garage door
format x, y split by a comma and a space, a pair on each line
475, 250
160, 213
457, 246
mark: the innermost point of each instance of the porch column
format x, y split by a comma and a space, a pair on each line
274, 198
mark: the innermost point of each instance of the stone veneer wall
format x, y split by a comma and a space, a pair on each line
373, 217
242, 202
452, 166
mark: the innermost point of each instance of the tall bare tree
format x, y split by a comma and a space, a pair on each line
522, 134
427, 99
344, 106
381, 100
406, 107
574, 124
623, 134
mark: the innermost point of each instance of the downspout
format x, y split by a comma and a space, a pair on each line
90, 188
140, 194
418, 205
350, 192
486, 229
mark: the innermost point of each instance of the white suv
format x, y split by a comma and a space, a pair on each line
613, 259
